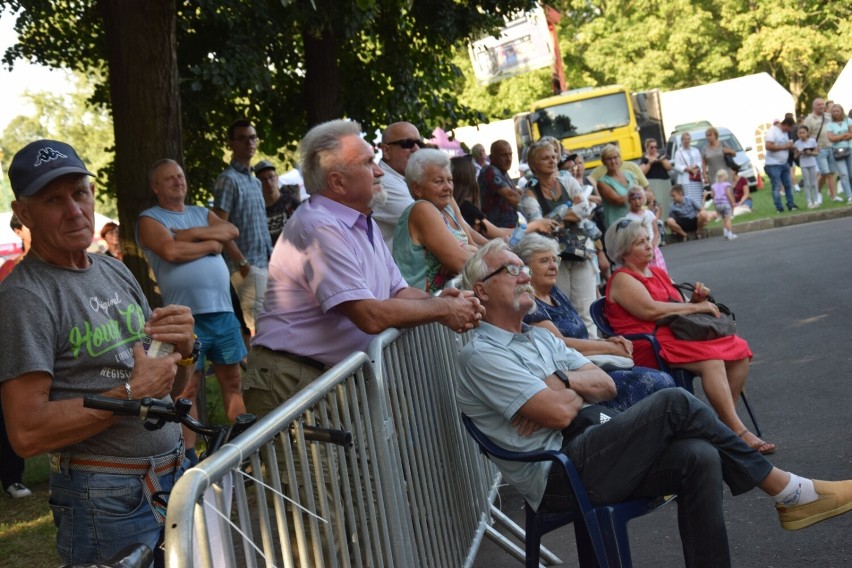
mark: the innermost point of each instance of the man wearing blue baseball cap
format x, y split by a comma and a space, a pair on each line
72, 324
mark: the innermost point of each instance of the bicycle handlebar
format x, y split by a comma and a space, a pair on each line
131, 556
327, 435
151, 408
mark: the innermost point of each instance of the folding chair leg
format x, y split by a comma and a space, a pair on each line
751, 414
585, 550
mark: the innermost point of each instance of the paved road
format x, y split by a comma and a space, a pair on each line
790, 289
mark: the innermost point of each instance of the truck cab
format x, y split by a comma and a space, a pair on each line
585, 120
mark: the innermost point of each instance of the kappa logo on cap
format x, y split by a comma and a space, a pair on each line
47, 155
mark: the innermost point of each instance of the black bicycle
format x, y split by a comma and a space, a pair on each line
156, 413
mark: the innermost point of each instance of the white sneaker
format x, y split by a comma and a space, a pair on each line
819, 200
18, 490
797, 189
732, 236
837, 198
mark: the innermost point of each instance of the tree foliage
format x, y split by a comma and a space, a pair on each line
286, 64
674, 44
66, 117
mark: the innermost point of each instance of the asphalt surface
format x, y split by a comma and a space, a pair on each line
790, 290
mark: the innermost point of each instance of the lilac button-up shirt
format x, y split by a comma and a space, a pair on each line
324, 258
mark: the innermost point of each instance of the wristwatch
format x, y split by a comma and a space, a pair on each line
563, 377
244, 262
196, 353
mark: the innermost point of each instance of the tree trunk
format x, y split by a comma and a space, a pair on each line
143, 81
322, 81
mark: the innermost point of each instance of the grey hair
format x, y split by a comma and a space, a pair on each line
619, 241
476, 268
320, 149
152, 171
533, 244
422, 159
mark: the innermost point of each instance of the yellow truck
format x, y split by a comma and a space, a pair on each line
587, 119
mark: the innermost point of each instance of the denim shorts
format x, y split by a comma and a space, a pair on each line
98, 514
221, 338
825, 161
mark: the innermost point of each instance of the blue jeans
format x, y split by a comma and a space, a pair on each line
668, 443
779, 175
844, 170
98, 514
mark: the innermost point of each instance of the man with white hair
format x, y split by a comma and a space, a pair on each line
527, 391
333, 284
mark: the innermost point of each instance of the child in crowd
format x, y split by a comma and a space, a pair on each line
807, 152
636, 198
723, 200
655, 208
741, 192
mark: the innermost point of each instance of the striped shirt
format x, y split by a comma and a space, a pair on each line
240, 194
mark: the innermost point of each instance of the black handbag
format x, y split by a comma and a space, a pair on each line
731, 162
841, 153
700, 327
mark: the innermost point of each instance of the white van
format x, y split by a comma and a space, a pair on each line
727, 138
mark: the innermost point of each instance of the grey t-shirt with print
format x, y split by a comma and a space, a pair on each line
79, 326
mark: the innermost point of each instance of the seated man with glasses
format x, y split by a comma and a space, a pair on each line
399, 141
527, 390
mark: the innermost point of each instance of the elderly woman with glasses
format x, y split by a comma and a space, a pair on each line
639, 294
554, 312
432, 241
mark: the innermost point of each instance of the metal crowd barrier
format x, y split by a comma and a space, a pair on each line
413, 489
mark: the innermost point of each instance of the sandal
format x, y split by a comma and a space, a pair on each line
758, 444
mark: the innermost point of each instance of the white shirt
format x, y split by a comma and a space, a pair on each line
776, 157
399, 197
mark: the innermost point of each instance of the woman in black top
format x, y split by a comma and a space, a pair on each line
656, 168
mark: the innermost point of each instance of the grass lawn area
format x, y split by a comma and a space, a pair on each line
27, 532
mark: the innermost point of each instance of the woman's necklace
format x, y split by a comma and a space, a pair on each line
544, 298
548, 189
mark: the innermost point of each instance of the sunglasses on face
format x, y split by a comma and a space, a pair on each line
623, 224
406, 143
635, 196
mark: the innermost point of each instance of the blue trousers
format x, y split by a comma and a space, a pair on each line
671, 442
778, 176
98, 514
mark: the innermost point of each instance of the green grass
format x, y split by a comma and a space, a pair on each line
27, 532
764, 207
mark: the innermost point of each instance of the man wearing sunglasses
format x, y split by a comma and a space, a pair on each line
399, 141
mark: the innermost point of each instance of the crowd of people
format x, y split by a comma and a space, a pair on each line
268, 291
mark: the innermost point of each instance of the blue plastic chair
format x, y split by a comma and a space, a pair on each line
601, 531
682, 377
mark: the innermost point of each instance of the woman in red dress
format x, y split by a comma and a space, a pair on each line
638, 294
